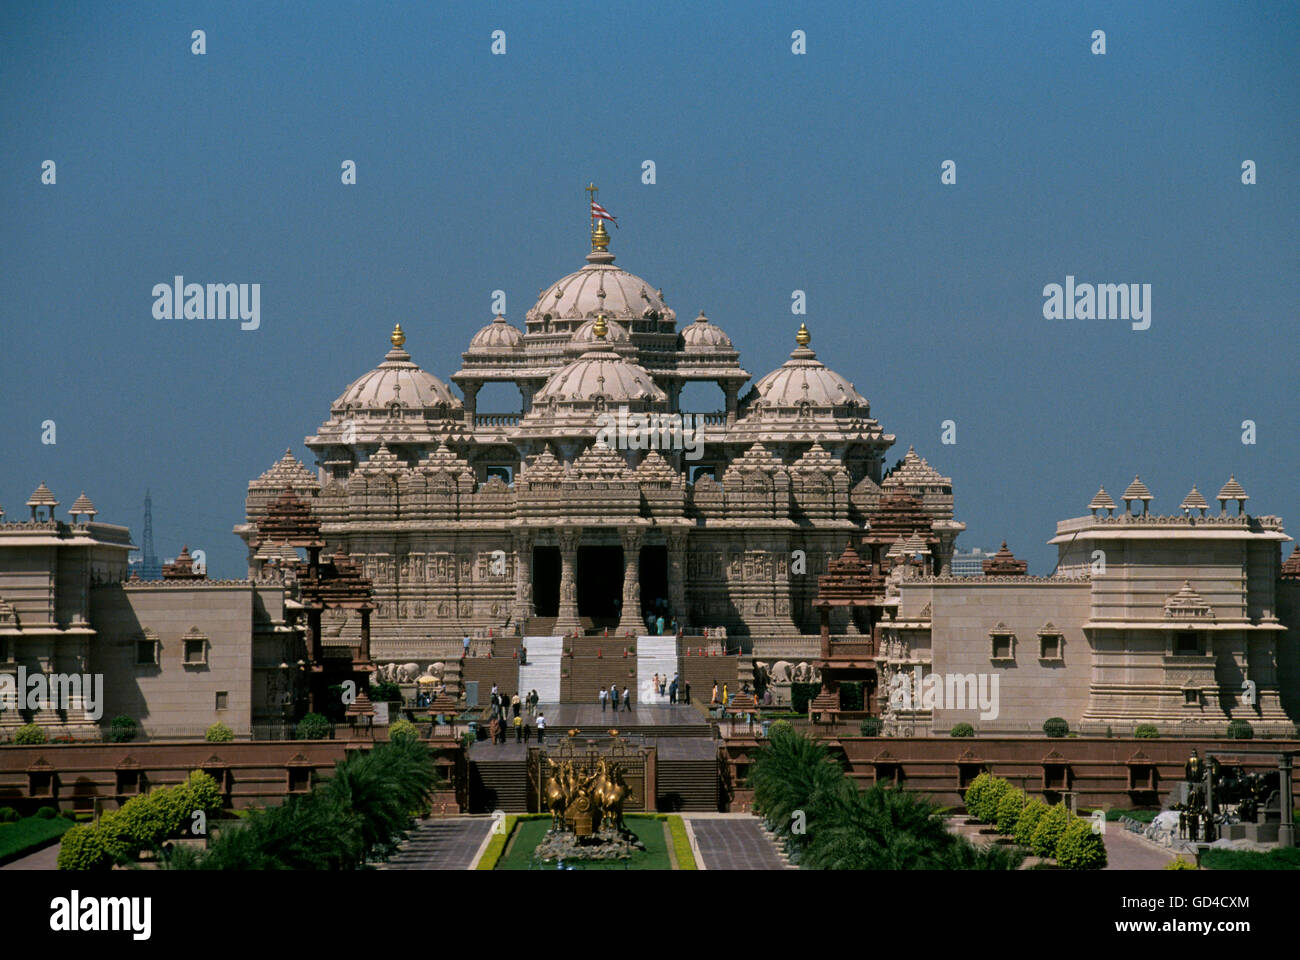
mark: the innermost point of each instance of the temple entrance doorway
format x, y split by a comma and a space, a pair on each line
546, 581
654, 583
600, 584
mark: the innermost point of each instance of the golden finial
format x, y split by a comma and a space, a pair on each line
397, 337
599, 238
600, 328
803, 337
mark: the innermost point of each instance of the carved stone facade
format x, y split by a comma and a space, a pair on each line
462, 518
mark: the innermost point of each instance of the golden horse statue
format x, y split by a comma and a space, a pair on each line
610, 791
560, 788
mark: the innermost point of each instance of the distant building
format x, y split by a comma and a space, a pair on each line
970, 563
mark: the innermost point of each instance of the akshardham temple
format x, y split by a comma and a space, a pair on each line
773, 537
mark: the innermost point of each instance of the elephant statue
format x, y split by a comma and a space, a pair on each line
385, 672
762, 675
802, 673
781, 671
435, 670
407, 672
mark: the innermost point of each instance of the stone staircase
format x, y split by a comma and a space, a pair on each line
654, 655
497, 784
688, 785
542, 671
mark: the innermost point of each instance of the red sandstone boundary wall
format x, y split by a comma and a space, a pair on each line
251, 773
1102, 772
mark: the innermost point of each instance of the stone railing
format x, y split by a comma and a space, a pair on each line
496, 419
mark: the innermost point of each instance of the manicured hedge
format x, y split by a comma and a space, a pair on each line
1146, 731
141, 823
681, 843
30, 734
801, 694
313, 727
1079, 848
219, 733
962, 730
1240, 730
123, 729
1056, 727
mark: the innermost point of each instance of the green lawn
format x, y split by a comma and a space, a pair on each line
529, 833
29, 834
1287, 858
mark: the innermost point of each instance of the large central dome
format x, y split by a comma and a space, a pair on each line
600, 287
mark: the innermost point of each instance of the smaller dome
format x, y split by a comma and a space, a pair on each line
805, 379
704, 334
496, 337
397, 382
600, 374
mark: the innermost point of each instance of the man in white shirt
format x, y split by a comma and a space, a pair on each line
541, 728
603, 694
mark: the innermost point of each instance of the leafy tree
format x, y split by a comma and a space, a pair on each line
1028, 822
1079, 848
1009, 808
1049, 830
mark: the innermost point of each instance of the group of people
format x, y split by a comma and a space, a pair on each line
658, 617
660, 685
514, 711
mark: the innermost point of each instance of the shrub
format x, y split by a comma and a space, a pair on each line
1079, 848
974, 796
1178, 863
871, 726
962, 730
30, 733
313, 727
997, 789
122, 729
218, 733
83, 848
384, 692
468, 739
1008, 812
1033, 812
1146, 731
1055, 727
1051, 826
47, 813
801, 694
8, 815
400, 729
1240, 730
851, 694
780, 726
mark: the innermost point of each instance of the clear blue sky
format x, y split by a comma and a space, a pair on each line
775, 172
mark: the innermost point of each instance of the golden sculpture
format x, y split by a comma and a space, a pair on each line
587, 800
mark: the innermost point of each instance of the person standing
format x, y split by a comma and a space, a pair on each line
495, 729
659, 625
527, 732
714, 698
603, 694
672, 691
613, 696
724, 694
650, 622
686, 689
536, 699
515, 704
519, 728
541, 728
655, 684
465, 653
523, 651
627, 698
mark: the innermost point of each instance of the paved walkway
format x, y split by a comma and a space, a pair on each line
735, 843
1128, 851
442, 844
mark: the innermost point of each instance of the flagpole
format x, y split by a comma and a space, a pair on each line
592, 191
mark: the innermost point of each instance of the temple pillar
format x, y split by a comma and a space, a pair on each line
730, 389
568, 622
523, 606
470, 388
630, 621
677, 578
